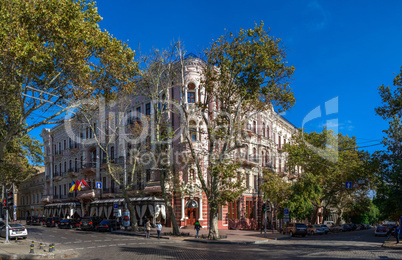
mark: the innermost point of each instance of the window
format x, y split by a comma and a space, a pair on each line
192, 174
65, 189
129, 118
255, 154
60, 168
70, 143
55, 149
65, 166
267, 132
279, 141
104, 183
55, 170
59, 148
87, 133
190, 97
75, 165
262, 158
148, 109
112, 153
193, 134
138, 114
266, 159
148, 175
246, 152
65, 144
273, 137
247, 180
280, 165
82, 162
263, 129
254, 127
255, 182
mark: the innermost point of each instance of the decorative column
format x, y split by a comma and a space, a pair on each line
200, 212
182, 210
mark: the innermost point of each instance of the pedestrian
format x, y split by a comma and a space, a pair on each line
148, 229
397, 232
197, 226
159, 229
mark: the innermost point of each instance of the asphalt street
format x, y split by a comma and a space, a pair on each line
94, 245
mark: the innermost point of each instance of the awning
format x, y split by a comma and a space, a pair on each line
121, 200
63, 204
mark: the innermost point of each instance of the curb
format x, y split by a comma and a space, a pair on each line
38, 256
256, 242
137, 235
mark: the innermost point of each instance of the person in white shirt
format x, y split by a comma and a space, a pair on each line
159, 229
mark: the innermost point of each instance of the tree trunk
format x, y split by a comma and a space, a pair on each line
133, 216
213, 222
175, 227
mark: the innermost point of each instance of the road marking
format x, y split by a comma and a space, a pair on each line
51, 236
67, 243
112, 245
107, 240
91, 247
97, 240
141, 243
102, 246
77, 242
63, 237
116, 239
80, 248
121, 244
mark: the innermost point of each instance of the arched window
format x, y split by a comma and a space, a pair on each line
266, 158
246, 152
193, 131
255, 155
191, 93
192, 174
254, 127
263, 129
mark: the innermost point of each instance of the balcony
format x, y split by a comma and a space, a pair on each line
72, 172
88, 194
249, 132
109, 192
89, 168
248, 161
46, 199
280, 149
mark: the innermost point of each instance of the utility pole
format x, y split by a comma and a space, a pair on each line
14, 213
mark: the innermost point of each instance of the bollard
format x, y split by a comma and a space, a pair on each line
40, 246
32, 249
16, 240
53, 249
50, 248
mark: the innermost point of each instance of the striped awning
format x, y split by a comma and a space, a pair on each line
63, 204
121, 200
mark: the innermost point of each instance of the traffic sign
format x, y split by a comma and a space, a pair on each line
361, 181
348, 184
286, 218
286, 211
355, 185
99, 185
115, 205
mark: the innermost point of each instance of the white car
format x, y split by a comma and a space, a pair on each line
15, 231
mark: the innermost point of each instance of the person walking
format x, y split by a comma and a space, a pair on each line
148, 229
397, 232
197, 226
159, 229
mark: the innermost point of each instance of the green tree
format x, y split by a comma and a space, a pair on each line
331, 159
389, 189
53, 53
242, 74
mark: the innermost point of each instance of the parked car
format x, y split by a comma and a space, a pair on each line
329, 223
326, 228
336, 228
29, 220
296, 229
107, 225
315, 230
346, 227
89, 223
14, 231
37, 221
52, 222
67, 223
380, 231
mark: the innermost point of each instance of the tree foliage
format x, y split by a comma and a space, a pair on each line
389, 189
54, 53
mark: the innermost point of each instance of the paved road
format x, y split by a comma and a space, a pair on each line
93, 245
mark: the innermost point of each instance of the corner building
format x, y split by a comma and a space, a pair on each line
70, 158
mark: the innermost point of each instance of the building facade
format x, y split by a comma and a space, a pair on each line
72, 154
29, 195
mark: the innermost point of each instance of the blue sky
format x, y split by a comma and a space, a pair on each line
340, 49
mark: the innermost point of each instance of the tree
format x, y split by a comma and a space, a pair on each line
389, 189
242, 74
19, 159
331, 159
52, 53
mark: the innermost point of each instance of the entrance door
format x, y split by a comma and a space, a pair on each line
191, 214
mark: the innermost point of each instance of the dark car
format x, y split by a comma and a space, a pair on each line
29, 220
67, 223
346, 227
37, 221
296, 229
52, 222
89, 223
108, 225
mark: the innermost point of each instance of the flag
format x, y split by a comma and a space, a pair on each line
77, 185
72, 188
83, 184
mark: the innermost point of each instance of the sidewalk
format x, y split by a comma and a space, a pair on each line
391, 243
21, 249
233, 236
